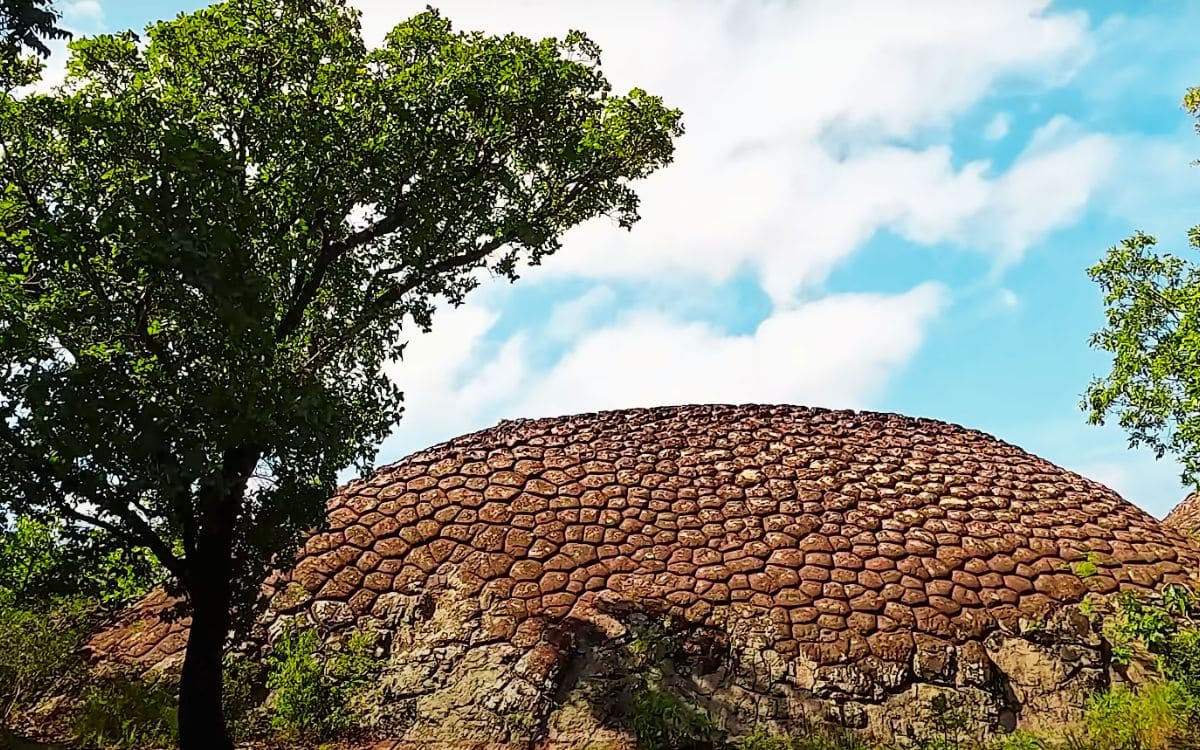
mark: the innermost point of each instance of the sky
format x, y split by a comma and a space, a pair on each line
876, 205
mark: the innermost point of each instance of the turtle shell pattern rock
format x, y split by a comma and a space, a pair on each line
1185, 518
847, 555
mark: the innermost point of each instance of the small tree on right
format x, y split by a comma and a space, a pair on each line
1152, 310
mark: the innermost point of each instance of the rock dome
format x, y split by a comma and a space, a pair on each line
1185, 518
848, 562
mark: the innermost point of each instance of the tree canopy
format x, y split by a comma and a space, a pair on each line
25, 23
212, 241
1152, 308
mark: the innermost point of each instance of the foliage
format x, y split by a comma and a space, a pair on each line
39, 650
1018, 740
1136, 620
1181, 659
663, 721
652, 643
813, 737
1152, 331
27, 23
1157, 716
946, 726
43, 561
1166, 629
27, 558
242, 679
124, 712
1088, 567
310, 697
213, 239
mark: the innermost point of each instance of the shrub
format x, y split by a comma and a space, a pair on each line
125, 713
242, 677
1018, 741
662, 721
946, 726
1158, 716
1181, 659
310, 697
40, 651
1167, 629
816, 737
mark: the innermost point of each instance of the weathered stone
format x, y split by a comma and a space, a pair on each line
847, 563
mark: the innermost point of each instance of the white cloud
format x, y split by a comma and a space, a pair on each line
762, 86
797, 115
836, 351
1046, 189
571, 318
86, 12
998, 127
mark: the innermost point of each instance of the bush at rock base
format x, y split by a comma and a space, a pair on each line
123, 712
243, 680
813, 738
39, 651
1158, 716
311, 696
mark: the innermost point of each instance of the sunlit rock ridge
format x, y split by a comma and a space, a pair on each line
809, 561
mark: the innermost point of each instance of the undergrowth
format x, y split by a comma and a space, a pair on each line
311, 695
663, 720
123, 712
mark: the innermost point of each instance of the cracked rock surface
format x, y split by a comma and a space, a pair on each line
849, 562
1185, 518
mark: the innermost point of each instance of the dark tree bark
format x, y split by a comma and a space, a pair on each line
201, 717
209, 585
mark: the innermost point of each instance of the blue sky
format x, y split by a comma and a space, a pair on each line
877, 205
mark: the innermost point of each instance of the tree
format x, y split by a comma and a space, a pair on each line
27, 22
1152, 307
210, 244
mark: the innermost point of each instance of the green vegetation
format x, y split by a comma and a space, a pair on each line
661, 719
200, 304
1158, 716
816, 737
1165, 629
1088, 567
39, 651
53, 587
312, 696
664, 721
124, 712
243, 679
1152, 331
26, 23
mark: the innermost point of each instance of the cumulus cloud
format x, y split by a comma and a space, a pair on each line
803, 120
998, 127
834, 351
766, 88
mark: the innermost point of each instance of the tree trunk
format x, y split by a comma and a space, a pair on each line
201, 718
209, 585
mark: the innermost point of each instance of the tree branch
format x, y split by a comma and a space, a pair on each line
396, 292
328, 255
142, 533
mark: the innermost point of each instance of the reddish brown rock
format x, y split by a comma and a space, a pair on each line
846, 535
1184, 519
